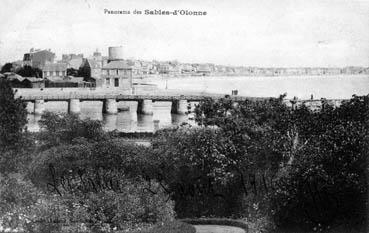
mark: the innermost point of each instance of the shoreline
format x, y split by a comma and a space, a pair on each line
164, 76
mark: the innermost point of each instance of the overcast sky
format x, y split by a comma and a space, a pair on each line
286, 33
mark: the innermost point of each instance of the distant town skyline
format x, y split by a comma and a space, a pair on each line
237, 33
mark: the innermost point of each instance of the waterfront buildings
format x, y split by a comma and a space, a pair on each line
117, 73
38, 58
74, 63
203, 69
68, 57
54, 69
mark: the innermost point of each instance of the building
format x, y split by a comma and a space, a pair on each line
54, 69
97, 56
18, 81
66, 81
203, 69
68, 57
75, 63
36, 82
38, 58
117, 73
187, 69
145, 67
163, 68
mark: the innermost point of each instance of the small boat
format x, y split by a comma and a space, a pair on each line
123, 109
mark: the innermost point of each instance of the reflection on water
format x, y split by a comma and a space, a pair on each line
125, 121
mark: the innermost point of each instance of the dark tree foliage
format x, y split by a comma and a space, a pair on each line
326, 183
8, 67
72, 72
104, 178
192, 166
59, 129
14, 141
28, 71
84, 71
209, 170
13, 117
313, 164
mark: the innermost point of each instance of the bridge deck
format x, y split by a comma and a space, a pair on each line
120, 97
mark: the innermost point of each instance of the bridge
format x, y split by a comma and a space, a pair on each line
122, 97
145, 102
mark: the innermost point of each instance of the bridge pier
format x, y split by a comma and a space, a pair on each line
156, 125
39, 107
145, 107
74, 106
133, 115
180, 107
110, 106
30, 107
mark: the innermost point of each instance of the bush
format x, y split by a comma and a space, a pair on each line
13, 118
192, 164
99, 183
326, 182
17, 194
130, 209
306, 167
64, 128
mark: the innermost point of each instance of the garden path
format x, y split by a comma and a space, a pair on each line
217, 229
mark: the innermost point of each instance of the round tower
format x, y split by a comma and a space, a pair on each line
115, 53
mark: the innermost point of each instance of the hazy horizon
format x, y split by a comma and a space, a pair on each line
253, 33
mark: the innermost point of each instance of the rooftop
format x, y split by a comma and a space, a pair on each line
117, 65
55, 67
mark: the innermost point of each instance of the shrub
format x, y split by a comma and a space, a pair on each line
306, 166
100, 181
13, 117
64, 128
17, 194
193, 166
326, 182
130, 209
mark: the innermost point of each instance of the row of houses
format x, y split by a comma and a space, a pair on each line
18, 81
40, 59
113, 71
257, 71
75, 70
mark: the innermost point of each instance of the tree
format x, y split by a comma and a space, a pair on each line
13, 117
64, 128
327, 181
72, 72
192, 165
28, 71
314, 162
8, 67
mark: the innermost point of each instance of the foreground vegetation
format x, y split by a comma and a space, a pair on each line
268, 165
